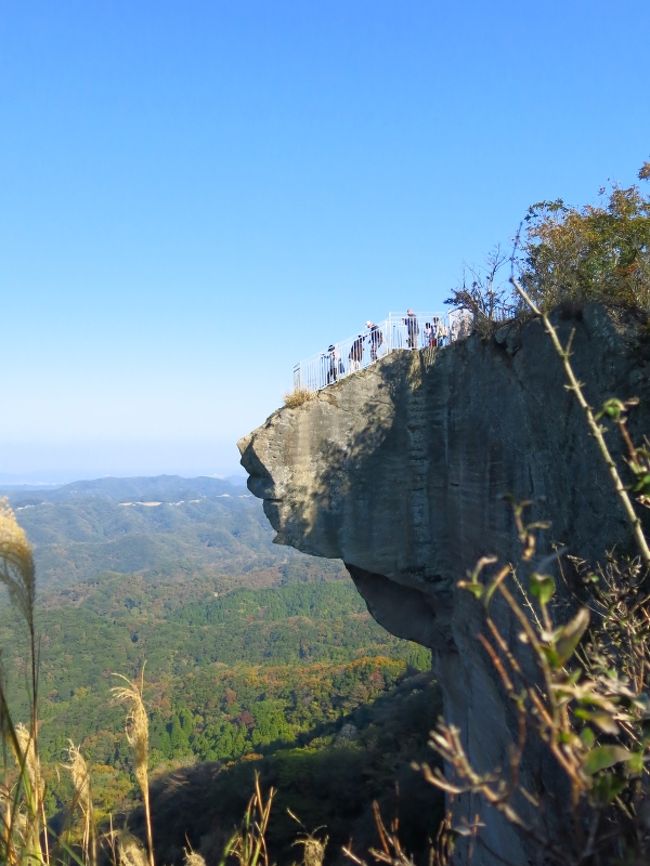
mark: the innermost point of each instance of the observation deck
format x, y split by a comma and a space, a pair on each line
398, 331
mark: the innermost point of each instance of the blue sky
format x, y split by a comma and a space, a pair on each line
196, 195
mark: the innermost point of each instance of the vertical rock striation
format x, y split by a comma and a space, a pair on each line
402, 470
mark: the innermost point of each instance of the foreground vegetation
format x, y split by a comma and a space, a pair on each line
577, 687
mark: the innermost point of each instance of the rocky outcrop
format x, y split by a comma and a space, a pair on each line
403, 470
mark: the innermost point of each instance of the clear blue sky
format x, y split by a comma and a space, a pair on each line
197, 194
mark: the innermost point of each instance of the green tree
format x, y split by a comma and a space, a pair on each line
178, 738
270, 723
597, 252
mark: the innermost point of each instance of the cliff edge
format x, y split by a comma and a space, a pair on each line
402, 471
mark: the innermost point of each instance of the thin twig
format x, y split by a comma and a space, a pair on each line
595, 429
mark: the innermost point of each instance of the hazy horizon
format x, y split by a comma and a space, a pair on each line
62, 462
57, 478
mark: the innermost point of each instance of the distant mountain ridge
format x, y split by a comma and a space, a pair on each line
167, 527
165, 488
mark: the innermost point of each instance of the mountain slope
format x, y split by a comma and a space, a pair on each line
165, 527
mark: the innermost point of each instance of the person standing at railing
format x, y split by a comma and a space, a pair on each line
335, 365
376, 339
439, 331
412, 329
356, 354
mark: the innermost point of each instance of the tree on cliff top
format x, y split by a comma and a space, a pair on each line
597, 252
576, 254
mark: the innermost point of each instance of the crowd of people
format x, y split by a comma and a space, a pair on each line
434, 333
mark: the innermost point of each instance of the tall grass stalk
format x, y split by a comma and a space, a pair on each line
17, 573
20, 840
34, 791
247, 846
137, 733
193, 858
127, 850
80, 776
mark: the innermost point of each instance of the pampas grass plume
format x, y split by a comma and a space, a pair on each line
131, 852
137, 733
29, 758
193, 858
17, 563
80, 776
137, 724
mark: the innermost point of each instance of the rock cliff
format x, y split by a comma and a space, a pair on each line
402, 471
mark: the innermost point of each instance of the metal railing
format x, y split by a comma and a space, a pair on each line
397, 331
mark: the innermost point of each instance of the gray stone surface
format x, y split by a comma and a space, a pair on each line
401, 471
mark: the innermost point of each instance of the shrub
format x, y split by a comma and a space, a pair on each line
594, 253
566, 254
297, 397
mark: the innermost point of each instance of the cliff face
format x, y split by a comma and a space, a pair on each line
401, 471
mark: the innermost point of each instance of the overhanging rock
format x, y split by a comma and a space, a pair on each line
403, 472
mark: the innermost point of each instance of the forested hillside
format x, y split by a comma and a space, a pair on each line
201, 532
249, 648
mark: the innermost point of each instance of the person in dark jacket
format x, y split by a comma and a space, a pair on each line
376, 339
334, 364
356, 353
412, 329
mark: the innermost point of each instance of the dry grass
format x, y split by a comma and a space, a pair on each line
192, 858
129, 850
313, 846
296, 398
247, 846
137, 733
22, 817
22, 832
80, 776
17, 564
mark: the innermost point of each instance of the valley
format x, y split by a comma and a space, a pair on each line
250, 651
